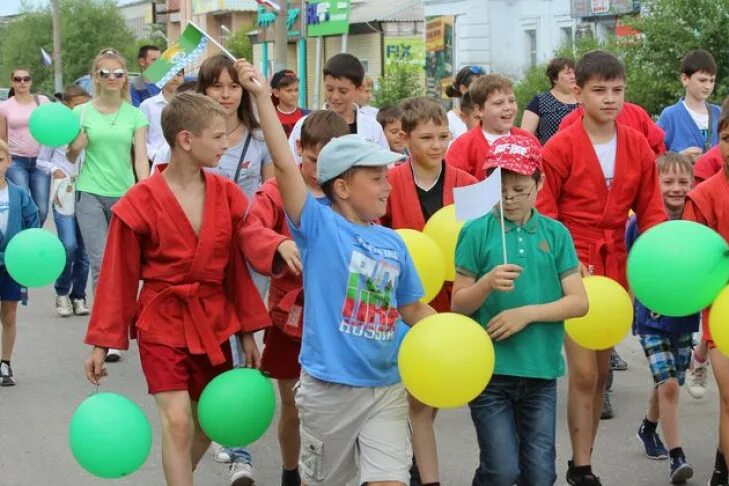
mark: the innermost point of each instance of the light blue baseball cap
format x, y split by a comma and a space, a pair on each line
343, 153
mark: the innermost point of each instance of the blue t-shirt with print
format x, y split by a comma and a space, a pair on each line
355, 277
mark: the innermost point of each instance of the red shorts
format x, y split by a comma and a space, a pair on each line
175, 369
280, 357
705, 332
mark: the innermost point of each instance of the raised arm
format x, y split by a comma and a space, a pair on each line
290, 182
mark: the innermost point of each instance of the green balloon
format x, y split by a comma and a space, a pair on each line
110, 436
54, 124
678, 268
237, 407
35, 257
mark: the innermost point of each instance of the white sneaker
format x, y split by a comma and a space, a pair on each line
79, 307
696, 379
222, 454
113, 356
241, 474
63, 306
6, 375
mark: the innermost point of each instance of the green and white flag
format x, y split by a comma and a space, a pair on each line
188, 47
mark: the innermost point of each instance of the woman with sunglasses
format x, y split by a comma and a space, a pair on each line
110, 127
464, 78
14, 116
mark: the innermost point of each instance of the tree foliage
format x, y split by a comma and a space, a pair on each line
401, 80
239, 44
668, 30
87, 26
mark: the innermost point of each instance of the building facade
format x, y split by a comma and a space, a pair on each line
506, 36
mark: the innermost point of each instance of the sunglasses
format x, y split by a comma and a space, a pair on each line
106, 73
19, 79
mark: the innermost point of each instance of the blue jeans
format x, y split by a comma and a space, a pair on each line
515, 421
72, 281
24, 173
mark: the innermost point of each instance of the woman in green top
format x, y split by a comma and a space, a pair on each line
110, 127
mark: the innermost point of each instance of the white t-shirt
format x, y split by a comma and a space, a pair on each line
701, 119
492, 137
4, 209
152, 109
367, 128
606, 155
52, 158
456, 125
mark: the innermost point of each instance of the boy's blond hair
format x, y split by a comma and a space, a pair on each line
188, 111
483, 86
421, 110
674, 161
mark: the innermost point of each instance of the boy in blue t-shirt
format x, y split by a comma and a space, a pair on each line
522, 304
666, 341
691, 124
358, 281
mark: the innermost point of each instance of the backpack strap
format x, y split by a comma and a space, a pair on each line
242, 157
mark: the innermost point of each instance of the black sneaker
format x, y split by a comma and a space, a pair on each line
575, 479
616, 362
652, 443
586, 480
607, 408
680, 470
719, 478
6, 375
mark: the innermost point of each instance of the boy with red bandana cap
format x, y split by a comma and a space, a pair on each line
522, 304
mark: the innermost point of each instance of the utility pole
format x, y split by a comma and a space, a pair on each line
282, 38
57, 62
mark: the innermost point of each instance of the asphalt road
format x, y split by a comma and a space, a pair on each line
34, 417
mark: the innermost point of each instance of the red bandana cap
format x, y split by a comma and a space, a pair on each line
516, 153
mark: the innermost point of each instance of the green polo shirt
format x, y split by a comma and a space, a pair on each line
544, 249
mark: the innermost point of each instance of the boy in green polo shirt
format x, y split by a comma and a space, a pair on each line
522, 304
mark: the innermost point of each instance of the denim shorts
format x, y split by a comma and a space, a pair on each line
669, 355
10, 290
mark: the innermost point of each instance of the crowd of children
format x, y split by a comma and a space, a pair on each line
254, 198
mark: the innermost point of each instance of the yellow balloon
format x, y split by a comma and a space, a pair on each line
428, 260
446, 360
609, 318
444, 228
719, 321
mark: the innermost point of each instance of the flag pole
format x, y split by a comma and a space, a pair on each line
215, 43
503, 228
218, 45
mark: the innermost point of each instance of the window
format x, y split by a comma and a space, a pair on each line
531, 46
566, 34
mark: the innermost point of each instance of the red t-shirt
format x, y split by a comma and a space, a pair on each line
288, 120
708, 164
